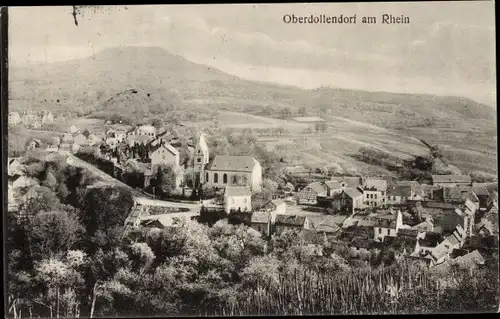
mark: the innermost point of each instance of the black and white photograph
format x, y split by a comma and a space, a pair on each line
251, 159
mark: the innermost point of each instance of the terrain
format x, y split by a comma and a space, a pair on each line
148, 82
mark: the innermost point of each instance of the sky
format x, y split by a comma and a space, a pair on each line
448, 48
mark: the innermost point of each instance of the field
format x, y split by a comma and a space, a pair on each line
332, 148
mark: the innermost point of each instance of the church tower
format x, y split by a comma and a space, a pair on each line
200, 158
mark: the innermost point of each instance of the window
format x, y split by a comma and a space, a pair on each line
375, 196
245, 200
198, 160
388, 232
380, 230
206, 177
375, 203
234, 201
216, 178
224, 178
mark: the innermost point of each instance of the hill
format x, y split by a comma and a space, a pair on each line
142, 82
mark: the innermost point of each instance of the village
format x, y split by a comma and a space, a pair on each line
443, 223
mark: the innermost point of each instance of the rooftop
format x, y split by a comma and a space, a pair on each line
290, 220
237, 191
352, 192
260, 217
451, 179
232, 163
480, 191
333, 184
317, 187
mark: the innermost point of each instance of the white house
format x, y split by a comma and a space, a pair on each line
165, 155
225, 170
387, 225
73, 129
237, 198
144, 130
374, 192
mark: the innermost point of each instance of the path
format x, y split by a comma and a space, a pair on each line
139, 195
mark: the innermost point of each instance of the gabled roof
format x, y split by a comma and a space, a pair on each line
423, 226
352, 192
333, 184
260, 217
169, 148
232, 163
290, 220
480, 191
351, 181
471, 258
408, 232
317, 187
456, 193
378, 184
237, 191
451, 179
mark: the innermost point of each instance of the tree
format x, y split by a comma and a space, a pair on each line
286, 112
157, 123
302, 111
165, 180
54, 232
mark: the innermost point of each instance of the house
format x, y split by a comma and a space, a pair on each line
327, 226
237, 198
138, 139
274, 207
66, 141
451, 180
261, 222
80, 139
14, 167
456, 194
349, 200
472, 259
426, 226
427, 244
94, 140
441, 252
165, 155
201, 154
144, 130
308, 195
411, 233
387, 225
225, 170
374, 192
483, 196
451, 219
14, 118
74, 130
332, 188
398, 194
120, 135
428, 191
294, 222
19, 181
349, 181
33, 144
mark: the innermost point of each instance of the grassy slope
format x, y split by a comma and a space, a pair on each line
166, 83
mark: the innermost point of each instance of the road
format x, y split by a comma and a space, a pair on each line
140, 196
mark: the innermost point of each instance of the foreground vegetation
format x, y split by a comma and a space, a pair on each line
72, 259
